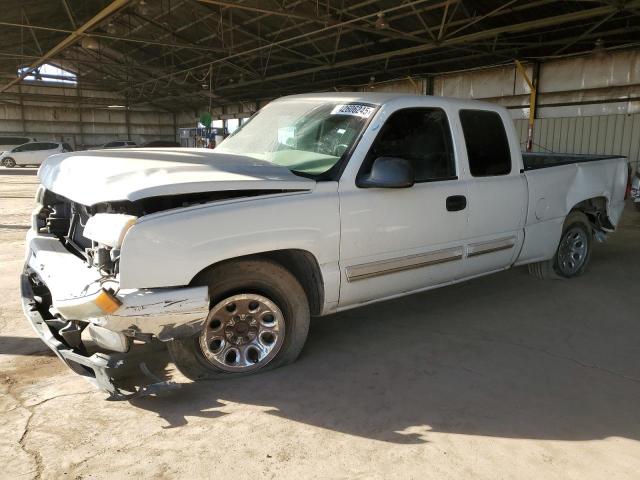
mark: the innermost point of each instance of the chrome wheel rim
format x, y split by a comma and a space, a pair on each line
573, 250
243, 333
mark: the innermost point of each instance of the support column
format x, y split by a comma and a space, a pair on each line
428, 85
533, 98
80, 119
22, 120
176, 137
127, 120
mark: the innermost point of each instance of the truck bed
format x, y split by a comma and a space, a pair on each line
554, 192
534, 161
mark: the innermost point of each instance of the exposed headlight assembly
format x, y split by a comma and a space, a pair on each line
109, 228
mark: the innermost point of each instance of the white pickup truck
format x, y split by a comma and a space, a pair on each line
320, 203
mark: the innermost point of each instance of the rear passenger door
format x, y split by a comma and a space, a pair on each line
497, 191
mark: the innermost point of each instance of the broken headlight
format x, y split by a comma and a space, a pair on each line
109, 228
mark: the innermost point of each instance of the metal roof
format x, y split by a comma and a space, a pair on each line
179, 54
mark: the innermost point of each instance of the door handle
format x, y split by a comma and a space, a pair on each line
456, 203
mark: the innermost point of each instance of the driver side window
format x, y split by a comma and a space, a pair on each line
423, 137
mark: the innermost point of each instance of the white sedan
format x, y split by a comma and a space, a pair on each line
33, 153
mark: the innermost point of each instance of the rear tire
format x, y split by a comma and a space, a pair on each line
573, 253
236, 340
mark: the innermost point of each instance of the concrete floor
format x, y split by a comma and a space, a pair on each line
501, 377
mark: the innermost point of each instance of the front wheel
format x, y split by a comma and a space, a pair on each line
9, 162
573, 253
259, 320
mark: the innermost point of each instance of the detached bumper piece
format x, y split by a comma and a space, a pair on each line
122, 375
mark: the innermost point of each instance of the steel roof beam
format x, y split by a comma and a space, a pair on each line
291, 39
489, 33
103, 14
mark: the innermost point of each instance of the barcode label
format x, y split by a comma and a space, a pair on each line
354, 109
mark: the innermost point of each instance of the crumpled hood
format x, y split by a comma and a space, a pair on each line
96, 176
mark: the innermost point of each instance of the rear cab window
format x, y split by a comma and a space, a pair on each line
487, 144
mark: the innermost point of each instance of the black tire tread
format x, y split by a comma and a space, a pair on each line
547, 270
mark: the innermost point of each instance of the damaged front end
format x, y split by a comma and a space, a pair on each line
71, 295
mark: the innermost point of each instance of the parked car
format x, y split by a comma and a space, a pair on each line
10, 142
160, 144
320, 203
119, 144
32, 153
635, 190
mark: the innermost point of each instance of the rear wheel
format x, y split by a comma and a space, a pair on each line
9, 162
573, 253
259, 320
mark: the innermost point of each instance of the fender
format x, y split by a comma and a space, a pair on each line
170, 248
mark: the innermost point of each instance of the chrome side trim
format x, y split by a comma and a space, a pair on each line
482, 248
383, 267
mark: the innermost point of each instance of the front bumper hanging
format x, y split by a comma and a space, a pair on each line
122, 375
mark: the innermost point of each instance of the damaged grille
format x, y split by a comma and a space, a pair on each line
66, 220
75, 237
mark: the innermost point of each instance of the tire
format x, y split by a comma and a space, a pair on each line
9, 162
237, 284
573, 253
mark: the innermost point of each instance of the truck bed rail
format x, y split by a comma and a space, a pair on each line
534, 161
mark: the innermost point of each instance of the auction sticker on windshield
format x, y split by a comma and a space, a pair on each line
354, 109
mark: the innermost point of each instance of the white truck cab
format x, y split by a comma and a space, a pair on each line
320, 203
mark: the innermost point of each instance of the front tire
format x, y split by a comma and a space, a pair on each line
9, 162
259, 320
573, 253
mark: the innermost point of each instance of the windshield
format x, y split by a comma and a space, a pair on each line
305, 136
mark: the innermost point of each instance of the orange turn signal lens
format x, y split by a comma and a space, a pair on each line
106, 302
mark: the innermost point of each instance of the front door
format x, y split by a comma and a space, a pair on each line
398, 240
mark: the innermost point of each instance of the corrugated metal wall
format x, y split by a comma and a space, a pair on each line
80, 117
602, 134
586, 104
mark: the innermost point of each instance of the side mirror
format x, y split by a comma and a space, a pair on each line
388, 172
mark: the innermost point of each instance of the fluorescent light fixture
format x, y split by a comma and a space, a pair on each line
117, 106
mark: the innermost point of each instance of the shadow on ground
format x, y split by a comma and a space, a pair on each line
24, 346
504, 356
14, 227
18, 171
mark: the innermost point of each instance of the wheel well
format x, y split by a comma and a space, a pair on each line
596, 210
301, 263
